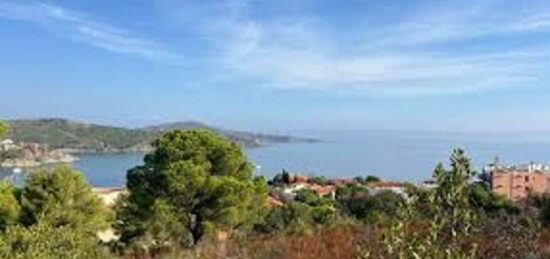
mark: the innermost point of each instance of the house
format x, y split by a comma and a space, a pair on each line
321, 190
376, 187
327, 190
428, 184
517, 184
298, 179
339, 182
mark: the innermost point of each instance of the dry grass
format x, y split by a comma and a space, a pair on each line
331, 243
344, 242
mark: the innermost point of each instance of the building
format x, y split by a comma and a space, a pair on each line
321, 190
339, 182
518, 184
376, 187
519, 181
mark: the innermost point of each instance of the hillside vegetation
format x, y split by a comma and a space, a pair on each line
84, 137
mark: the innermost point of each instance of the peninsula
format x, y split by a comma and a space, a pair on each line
77, 137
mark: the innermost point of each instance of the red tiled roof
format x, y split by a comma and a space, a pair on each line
321, 190
339, 181
272, 202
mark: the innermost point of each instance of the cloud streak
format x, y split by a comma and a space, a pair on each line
413, 58
440, 50
79, 27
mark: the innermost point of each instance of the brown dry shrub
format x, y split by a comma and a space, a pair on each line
339, 242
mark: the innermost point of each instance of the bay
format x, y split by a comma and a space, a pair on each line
391, 155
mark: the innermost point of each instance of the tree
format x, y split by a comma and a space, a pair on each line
355, 200
320, 180
280, 179
447, 233
285, 177
197, 183
371, 179
293, 217
9, 206
4, 129
43, 241
62, 198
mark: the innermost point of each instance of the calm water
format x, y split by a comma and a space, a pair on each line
389, 155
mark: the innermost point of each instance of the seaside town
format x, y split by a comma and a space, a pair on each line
513, 182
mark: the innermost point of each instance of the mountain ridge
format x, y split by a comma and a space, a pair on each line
77, 137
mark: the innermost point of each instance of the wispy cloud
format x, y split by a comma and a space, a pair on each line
82, 28
436, 50
294, 54
474, 21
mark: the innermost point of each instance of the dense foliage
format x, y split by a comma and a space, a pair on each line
356, 201
54, 215
3, 129
195, 184
303, 215
9, 206
62, 197
44, 241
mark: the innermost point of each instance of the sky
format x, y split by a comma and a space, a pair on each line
280, 65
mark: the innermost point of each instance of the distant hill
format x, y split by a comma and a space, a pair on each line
84, 137
178, 125
242, 137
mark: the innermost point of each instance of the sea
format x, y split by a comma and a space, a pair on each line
390, 155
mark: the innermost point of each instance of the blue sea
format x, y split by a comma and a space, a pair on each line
400, 156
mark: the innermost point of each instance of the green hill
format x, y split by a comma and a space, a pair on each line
85, 137
61, 133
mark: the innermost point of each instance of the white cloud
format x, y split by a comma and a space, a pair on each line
77, 26
411, 57
299, 55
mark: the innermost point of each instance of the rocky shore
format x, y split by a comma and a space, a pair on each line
32, 155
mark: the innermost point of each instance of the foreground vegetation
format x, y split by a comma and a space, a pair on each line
196, 197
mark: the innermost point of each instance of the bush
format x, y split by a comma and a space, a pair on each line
44, 241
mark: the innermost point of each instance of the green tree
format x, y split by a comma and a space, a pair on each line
293, 217
280, 179
9, 206
311, 198
447, 233
321, 180
197, 183
371, 179
43, 241
62, 198
355, 201
3, 129
486, 202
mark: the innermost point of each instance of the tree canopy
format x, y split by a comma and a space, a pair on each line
44, 241
9, 205
194, 184
3, 129
62, 197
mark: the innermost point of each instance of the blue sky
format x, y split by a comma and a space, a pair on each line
280, 65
